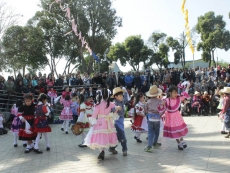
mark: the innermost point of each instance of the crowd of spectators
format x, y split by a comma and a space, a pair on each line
203, 80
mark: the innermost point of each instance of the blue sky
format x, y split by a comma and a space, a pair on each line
142, 17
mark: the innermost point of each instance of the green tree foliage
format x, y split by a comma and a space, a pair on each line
157, 41
213, 35
132, 51
24, 47
96, 20
178, 45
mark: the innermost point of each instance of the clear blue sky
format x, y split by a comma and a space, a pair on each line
142, 17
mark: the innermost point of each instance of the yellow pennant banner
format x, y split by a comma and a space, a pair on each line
188, 34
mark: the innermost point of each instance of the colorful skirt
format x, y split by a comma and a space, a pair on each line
16, 124
66, 114
102, 135
137, 124
174, 126
22, 133
41, 125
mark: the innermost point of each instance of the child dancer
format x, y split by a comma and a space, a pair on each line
175, 126
66, 114
83, 118
16, 123
89, 106
139, 114
119, 124
153, 117
74, 107
226, 109
103, 133
52, 94
220, 107
41, 123
2, 129
26, 115
131, 111
197, 101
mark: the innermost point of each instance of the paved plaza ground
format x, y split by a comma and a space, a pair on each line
208, 151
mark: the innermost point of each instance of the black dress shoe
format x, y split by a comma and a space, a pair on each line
82, 146
47, 148
139, 141
24, 145
38, 151
101, 156
15, 145
62, 129
66, 133
224, 133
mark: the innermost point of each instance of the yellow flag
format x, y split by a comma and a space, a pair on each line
183, 4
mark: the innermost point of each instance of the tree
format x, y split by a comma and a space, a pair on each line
213, 35
132, 51
24, 47
157, 41
96, 20
7, 19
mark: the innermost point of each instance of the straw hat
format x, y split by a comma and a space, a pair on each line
196, 93
117, 90
221, 92
153, 91
226, 90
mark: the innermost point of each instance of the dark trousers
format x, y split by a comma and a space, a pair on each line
153, 132
121, 138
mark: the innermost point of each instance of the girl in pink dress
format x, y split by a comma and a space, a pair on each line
66, 113
103, 133
174, 126
52, 94
16, 123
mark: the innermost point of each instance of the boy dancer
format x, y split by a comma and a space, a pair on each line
119, 100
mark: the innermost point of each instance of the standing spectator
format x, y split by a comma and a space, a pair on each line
143, 78
128, 81
115, 79
79, 80
137, 80
110, 82
177, 78
149, 79
121, 79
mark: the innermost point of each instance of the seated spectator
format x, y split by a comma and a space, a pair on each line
185, 108
206, 102
72, 80
59, 81
34, 81
196, 102
20, 89
29, 88
9, 85
134, 90
49, 81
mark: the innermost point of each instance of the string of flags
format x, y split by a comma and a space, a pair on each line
187, 32
74, 28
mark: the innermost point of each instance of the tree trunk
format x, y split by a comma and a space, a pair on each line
23, 70
213, 59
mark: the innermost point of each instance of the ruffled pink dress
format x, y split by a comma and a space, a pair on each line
174, 126
103, 133
66, 113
